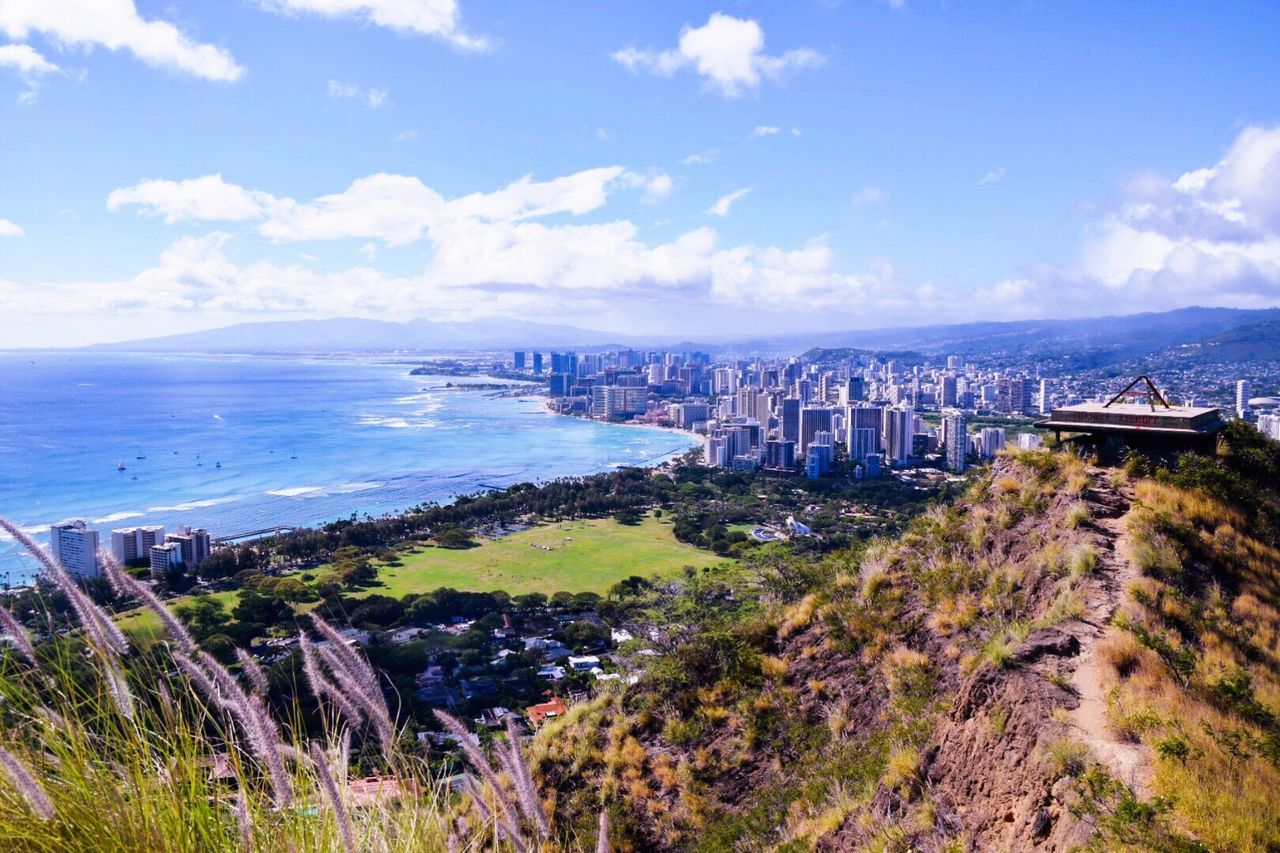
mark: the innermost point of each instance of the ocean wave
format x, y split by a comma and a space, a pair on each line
348, 488
395, 423
190, 505
118, 516
295, 491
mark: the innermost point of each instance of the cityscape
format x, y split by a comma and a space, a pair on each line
434, 426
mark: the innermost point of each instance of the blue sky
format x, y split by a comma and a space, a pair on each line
657, 167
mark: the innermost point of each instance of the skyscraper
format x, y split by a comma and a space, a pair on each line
813, 419
899, 429
791, 419
537, 363
1242, 399
1046, 401
864, 418
518, 360
957, 441
948, 395
75, 547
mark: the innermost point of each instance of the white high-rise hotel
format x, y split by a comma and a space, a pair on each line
75, 547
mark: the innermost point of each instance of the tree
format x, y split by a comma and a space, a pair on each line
582, 636
203, 615
530, 601
220, 564
452, 536
267, 610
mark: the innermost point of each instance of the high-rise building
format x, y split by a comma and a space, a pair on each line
780, 455
948, 392
813, 419
954, 362
992, 440
864, 418
165, 556
1046, 397
518, 360
1013, 395
956, 439
194, 543
75, 548
130, 544
899, 430
1242, 399
537, 363
791, 419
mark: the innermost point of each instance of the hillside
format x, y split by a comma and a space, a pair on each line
1069, 655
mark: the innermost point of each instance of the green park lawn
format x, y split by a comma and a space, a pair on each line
577, 556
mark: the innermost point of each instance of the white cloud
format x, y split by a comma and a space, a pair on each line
1209, 237
702, 158
658, 188
499, 253
30, 67
727, 52
722, 205
396, 209
25, 59
603, 134
867, 195
372, 98
208, 198
11, 229
116, 25
992, 176
438, 18
764, 130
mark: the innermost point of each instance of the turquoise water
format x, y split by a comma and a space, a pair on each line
367, 437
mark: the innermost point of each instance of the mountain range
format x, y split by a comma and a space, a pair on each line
1222, 333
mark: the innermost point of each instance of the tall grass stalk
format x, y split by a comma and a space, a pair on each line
113, 748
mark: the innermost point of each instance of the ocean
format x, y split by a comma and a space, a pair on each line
235, 444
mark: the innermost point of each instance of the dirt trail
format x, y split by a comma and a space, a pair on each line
1127, 761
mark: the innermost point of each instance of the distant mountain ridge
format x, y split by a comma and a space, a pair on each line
1081, 343
349, 334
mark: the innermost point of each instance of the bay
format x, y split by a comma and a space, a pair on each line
235, 444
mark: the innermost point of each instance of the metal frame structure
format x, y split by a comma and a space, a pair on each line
1153, 396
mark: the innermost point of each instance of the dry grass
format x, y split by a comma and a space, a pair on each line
1209, 751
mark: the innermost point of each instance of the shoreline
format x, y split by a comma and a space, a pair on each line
388, 499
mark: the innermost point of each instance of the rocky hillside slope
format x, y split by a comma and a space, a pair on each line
1067, 656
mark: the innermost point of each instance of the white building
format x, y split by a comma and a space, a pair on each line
75, 547
1242, 399
134, 543
1029, 441
992, 439
165, 556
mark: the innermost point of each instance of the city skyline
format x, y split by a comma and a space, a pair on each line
651, 169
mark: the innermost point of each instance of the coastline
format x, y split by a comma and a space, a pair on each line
367, 442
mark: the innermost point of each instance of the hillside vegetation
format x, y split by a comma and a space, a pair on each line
1067, 656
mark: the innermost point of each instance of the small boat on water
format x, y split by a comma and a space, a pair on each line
217, 465
120, 467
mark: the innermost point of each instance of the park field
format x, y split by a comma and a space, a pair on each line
571, 556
